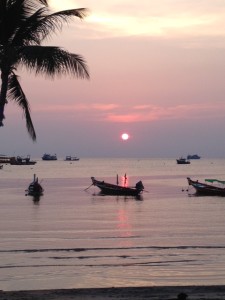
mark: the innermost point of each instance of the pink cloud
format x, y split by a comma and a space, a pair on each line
128, 118
105, 107
115, 113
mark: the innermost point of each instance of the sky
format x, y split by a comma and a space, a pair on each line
157, 73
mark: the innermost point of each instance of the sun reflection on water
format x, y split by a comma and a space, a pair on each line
124, 227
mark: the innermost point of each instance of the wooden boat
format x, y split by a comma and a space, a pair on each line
22, 161
208, 189
34, 188
49, 157
113, 189
182, 161
71, 158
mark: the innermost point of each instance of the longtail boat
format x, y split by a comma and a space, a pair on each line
208, 189
115, 189
35, 189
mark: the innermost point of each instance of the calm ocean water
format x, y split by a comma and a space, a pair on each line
73, 238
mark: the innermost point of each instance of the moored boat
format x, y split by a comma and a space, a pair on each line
113, 189
4, 159
71, 158
35, 188
206, 189
194, 156
183, 161
22, 161
47, 156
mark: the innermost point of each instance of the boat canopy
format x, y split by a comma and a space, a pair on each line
215, 180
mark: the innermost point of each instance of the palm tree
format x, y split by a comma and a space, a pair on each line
24, 25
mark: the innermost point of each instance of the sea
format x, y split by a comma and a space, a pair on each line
74, 237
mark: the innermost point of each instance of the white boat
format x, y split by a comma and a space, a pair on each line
49, 157
71, 158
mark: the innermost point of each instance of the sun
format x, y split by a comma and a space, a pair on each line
125, 136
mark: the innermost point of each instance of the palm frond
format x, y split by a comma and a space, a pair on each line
15, 93
24, 24
14, 13
54, 22
53, 61
44, 2
41, 24
30, 33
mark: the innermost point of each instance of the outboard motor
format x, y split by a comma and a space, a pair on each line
139, 186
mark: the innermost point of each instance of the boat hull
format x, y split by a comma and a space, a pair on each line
24, 163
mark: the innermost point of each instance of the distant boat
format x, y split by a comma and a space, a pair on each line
4, 159
34, 188
113, 189
22, 161
49, 157
195, 156
208, 189
71, 158
183, 161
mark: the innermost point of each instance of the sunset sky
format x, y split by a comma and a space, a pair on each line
157, 72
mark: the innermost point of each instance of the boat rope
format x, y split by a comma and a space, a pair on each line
88, 187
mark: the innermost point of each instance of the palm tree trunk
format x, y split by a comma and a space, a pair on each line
3, 93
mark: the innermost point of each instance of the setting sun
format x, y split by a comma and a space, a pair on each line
125, 136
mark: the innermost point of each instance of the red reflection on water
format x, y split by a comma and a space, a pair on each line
125, 228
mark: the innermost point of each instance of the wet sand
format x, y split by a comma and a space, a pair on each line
126, 293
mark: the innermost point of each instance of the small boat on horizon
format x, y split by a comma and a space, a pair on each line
47, 156
206, 189
4, 159
194, 156
71, 158
22, 161
113, 189
183, 161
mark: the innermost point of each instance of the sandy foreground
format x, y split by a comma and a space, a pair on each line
131, 293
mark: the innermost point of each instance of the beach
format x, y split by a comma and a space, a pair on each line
131, 293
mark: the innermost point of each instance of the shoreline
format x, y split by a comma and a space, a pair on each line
216, 292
